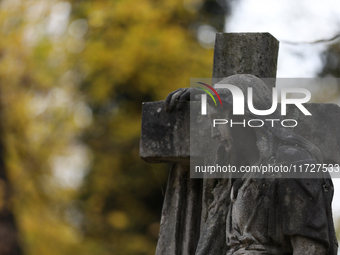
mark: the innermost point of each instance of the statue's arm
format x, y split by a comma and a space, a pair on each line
300, 218
306, 246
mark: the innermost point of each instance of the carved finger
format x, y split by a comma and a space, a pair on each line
169, 98
175, 99
185, 97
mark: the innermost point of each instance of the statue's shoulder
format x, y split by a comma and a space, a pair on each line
291, 153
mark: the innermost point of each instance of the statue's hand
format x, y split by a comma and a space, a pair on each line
177, 98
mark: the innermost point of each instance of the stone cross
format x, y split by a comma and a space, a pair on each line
165, 138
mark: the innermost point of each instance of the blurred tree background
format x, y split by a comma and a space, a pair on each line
73, 78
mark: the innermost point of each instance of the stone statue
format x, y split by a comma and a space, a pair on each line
254, 215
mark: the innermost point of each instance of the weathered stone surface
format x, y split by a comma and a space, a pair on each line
181, 214
245, 53
166, 135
